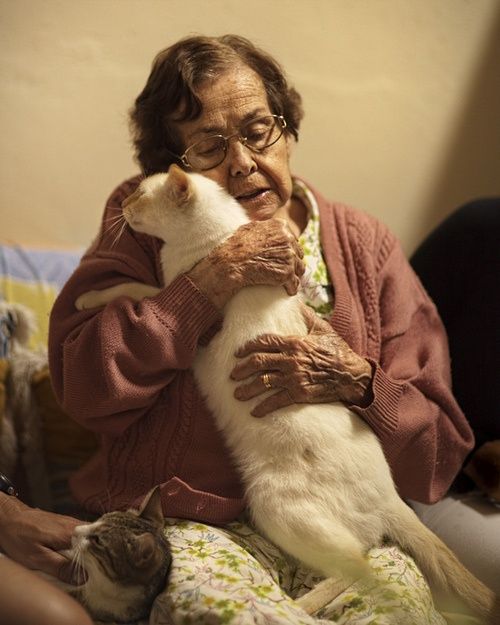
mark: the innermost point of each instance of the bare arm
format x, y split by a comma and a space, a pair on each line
26, 598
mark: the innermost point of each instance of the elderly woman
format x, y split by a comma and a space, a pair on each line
123, 371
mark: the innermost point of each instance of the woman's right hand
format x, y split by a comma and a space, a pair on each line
258, 253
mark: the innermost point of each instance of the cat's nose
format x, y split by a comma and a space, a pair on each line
81, 530
79, 542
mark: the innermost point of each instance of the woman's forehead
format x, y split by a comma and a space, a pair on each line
228, 101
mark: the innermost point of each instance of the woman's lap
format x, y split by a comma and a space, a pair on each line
233, 575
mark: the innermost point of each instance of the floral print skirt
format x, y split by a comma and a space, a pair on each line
234, 575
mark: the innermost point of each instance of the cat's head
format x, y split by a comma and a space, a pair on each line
124, 554
177, 205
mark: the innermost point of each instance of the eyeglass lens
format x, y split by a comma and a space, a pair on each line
257, 135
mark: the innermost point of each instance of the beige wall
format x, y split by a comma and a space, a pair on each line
402, 101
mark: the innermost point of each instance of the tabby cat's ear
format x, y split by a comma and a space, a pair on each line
179, 185
151, 508
144, 550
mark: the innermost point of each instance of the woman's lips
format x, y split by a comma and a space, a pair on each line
251, 195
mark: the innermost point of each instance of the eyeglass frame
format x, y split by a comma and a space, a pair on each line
241, 139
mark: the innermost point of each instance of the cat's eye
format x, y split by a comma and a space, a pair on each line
95, 539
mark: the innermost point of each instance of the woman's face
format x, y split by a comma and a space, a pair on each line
261, 183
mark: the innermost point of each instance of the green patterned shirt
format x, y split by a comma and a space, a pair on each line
316, 288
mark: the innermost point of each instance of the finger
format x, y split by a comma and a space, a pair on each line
300, 267
258, 363
299, 252
272, 403
292, 286
53, 563
256, 387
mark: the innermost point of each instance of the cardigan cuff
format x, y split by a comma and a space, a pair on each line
189, 309
382, 413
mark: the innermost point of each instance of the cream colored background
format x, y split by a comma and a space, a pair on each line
402, 101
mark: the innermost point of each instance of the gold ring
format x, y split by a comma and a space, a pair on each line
266, 381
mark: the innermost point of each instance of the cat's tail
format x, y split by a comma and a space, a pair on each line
452, 585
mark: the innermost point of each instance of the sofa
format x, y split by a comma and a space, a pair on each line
39, 444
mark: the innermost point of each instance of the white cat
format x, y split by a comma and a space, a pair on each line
316, 480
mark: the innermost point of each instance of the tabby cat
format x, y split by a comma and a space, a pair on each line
316, 480
126, 558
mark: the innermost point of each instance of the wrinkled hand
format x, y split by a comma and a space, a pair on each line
258, 253
33, 537
317, 368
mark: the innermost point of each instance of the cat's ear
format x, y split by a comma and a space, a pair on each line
151, 508
179, 185
144, 550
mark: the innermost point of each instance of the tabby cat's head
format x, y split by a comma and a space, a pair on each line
126, 558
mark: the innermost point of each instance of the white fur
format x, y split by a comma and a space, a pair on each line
316, 479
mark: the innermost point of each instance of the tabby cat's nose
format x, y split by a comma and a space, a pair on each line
81, 530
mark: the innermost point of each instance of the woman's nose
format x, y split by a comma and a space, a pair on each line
240, 159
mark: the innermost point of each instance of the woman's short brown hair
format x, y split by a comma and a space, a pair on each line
170, 93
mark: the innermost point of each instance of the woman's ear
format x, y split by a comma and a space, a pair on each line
290, 144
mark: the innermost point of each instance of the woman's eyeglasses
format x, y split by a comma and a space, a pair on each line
257, 135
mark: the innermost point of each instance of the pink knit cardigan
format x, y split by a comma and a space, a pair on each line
124, 371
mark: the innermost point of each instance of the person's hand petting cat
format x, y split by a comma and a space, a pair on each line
34, 537
259, 253
317, 368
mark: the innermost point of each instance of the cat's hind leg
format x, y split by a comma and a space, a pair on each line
324, 546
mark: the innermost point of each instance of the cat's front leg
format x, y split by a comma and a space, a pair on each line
134, 290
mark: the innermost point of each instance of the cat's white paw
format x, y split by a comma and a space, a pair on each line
90, 299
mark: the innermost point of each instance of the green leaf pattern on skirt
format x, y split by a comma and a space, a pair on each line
234, 575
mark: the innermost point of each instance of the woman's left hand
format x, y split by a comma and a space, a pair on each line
316, 368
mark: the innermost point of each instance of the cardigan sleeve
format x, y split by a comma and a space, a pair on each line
110, 365
422, 429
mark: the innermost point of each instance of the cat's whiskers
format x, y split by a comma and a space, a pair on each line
77, 563
117, 228
115, 218
124, 226
113, 229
